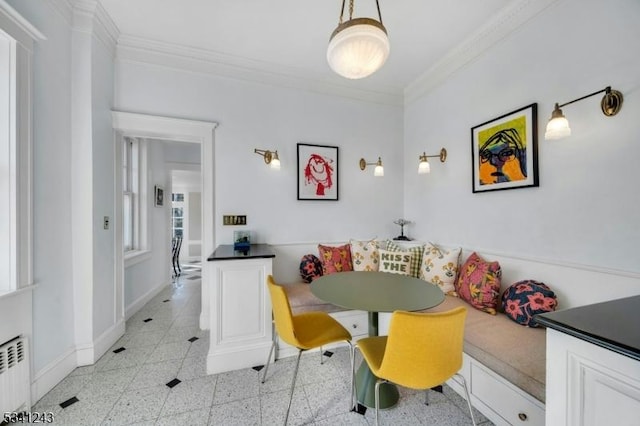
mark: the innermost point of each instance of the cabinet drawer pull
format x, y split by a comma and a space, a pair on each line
522, 416
354, 325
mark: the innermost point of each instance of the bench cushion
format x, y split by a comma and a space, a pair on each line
513, 351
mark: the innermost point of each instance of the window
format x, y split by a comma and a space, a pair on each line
177, 214
131, 194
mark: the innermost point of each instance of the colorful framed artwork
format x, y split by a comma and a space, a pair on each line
504, 151
317, 172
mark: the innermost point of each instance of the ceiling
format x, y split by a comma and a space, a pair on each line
291, 36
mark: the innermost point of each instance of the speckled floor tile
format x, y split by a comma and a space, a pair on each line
234, 385
138, 405
156, 374
190, 395
243, 412
192, 418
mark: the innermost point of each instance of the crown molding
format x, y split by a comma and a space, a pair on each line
510, 19
89, 16
64, 8
18, 27
147, 51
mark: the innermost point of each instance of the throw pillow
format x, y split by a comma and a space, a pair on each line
335, 258
524, 299
478, 283
395, 262
364, 255
440, 267
310, 268
416, 256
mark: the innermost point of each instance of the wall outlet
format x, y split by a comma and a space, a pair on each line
234, 220
106, 222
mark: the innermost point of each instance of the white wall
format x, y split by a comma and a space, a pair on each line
104, 300
258, 116
586, 208
53, 327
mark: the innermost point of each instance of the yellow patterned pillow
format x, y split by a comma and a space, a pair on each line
365, 255
440, 267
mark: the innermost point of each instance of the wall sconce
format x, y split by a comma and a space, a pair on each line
270, 157
378, 171
558, 125
424, 166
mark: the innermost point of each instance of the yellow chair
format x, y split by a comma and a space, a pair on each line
308, 330
422, 350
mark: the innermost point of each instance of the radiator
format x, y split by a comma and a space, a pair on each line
15, 392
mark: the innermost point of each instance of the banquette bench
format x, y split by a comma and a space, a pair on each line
504, 362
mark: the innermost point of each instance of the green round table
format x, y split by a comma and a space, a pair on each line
376, 292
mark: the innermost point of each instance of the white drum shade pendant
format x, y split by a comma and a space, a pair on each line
358, 47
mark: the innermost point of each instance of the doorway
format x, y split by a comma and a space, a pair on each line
175, 130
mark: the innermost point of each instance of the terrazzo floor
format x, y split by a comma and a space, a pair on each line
156, 375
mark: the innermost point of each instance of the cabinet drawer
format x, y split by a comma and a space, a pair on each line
356, 322
509, 402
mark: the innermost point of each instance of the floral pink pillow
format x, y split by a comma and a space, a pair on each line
335, 259
479, 283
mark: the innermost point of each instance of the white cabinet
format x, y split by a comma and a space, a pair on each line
590, 385
240, 317
499, 400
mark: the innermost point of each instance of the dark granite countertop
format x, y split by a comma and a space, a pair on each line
255, 251
614, 325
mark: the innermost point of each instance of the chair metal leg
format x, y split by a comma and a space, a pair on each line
354, 403
377, 396
266, 366
426, 397
321, 357
293, 385
466, 392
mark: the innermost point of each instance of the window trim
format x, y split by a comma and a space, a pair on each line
140, 251
22, 37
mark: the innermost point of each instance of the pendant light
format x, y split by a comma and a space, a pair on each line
358, 47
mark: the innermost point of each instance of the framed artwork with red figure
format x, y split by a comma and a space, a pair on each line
504, 151
317, 172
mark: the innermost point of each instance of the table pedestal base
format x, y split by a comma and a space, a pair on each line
366, 389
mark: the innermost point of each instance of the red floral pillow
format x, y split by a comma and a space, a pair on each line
479, 283
524, 299
335, 259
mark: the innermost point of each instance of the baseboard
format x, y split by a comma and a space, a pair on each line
88, 354
52, 374
142, 300
237, 358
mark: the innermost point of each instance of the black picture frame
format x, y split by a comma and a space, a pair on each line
318, 172
158, 192
504, 151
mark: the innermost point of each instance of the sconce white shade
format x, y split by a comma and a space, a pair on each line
557, 128
424, 167
378, 170
275, 161
270, 157
358, 48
